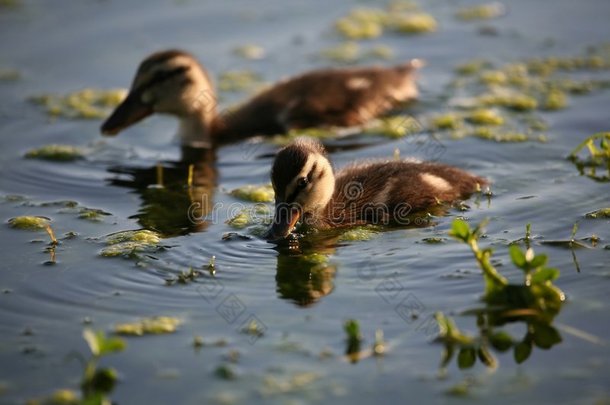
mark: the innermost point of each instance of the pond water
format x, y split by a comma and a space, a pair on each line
300, 298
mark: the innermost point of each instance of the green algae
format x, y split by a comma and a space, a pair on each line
414, 23
599, 214
148, 326
347, 52
481, 12
254, 193
31, 223
484, 116
361, 23
9, 75
555, 100
87, 103
250, 51
239, 81
472, 67
358, 234
130, 242
447, 121
57, 153
395, 127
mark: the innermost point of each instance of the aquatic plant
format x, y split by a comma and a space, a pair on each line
254, 193
131, 242
33, 223
239, 81
58, 153
481, 12
250, 51
148, 326
535, 302
86, 103
97, 382
598, 156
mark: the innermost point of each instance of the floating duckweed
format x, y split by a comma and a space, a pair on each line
87, 103
358, 234
555, 100
154, 326
380, 52
29, 222
472, 67
257, 215
493, 135
260, 193
127, 242
402, 5
517, 102
483, 116
362, 23
92, 214
64, 397
447, 121
58, 153
347, 52
9, 75
481, 12
600, 213
415, 23
250, 52
239, 80
394, 127
493, 77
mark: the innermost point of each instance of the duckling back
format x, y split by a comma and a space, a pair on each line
388, 192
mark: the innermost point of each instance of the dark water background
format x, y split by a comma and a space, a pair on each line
64, 46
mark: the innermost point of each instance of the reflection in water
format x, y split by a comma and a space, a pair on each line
176, 196
304, 274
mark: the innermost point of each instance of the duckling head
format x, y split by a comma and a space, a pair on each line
169, 82
304, 184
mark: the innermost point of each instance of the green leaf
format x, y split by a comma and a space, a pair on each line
517, 256
100, 345
544, 275
352, 329
546, 336
460, 229
501, 341
487, 358
539, 260
466, 358
103, 380
522, 351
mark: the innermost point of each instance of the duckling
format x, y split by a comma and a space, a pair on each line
173, 82
376, 192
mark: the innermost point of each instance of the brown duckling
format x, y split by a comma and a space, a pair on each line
377, 192
173, 82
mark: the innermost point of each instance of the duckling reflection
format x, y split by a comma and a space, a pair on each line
176, 196
304, 271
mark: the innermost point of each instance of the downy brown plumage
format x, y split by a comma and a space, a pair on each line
173, 82
378, 192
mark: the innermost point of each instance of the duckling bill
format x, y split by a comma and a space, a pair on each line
173, 82
376, 192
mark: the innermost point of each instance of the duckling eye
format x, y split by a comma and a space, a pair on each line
302, 182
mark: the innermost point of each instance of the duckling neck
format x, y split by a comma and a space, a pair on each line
194, 130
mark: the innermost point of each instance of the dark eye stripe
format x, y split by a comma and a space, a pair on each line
165, 75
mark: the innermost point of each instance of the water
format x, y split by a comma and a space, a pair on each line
302, 305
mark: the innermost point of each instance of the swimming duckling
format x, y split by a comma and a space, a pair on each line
377, 192
173, 82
